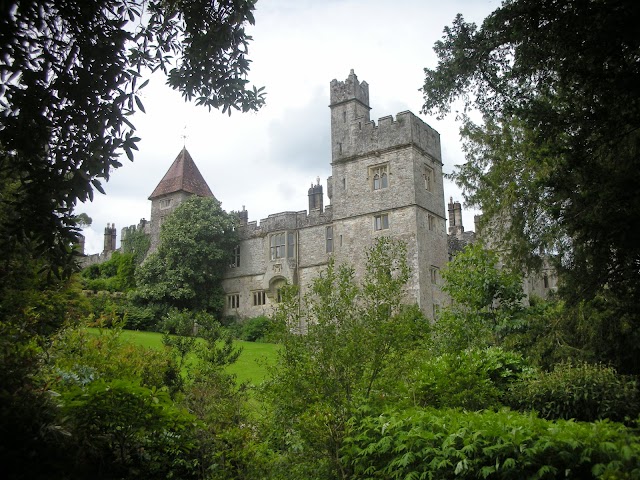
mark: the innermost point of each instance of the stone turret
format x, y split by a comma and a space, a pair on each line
182, 180
243, 216
109, 238
349, 102
455, 218
316, 197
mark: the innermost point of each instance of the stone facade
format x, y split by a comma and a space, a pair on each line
386, 180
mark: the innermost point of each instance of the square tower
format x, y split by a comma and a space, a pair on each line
387, 181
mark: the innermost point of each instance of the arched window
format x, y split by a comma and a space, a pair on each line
380, 176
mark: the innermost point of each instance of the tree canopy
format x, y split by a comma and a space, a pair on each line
196, 244
70, 74
553, 164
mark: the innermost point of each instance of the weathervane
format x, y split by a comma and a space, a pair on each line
184, 137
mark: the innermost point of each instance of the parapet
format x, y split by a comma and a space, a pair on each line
406, 129
277, 222
350, 89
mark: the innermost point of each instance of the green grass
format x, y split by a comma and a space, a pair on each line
251, 366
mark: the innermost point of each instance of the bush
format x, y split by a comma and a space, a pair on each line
124, 430
143, 318
114, 275
508, 445
256, 329
473, 379
579, 391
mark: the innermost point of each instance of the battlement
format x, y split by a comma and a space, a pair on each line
365, 137
143, 226
350, 89
277, 222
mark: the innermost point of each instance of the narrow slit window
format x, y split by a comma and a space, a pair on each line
329, 239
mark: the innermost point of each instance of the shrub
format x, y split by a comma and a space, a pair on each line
443, 444
124, 430
256, 329
580, 391
473, 379
143, 317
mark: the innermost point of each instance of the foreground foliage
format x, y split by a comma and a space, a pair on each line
442, 444
353, 333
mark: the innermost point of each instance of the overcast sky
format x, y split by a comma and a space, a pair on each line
267, 160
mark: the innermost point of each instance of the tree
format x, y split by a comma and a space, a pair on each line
70, 74
339, 345
485, 300
196, 243
554, 162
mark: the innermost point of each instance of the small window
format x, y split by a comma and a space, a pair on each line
344, 116
329, 239
434, 275
233, 301
436, 310
380, 176
545, 279
235, 259
381, 222
277, 246
162, 219
431, 222
166, 203
259, 297
428, 178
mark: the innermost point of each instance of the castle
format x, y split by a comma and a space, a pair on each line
386, 180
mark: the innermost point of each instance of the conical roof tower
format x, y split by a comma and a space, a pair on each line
183, 176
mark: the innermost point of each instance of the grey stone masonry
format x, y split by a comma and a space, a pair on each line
386, 181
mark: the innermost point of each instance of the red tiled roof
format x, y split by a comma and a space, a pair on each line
183, 175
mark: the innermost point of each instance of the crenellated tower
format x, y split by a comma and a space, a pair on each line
349, 102
386, 180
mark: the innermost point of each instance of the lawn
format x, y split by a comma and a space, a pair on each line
251, 366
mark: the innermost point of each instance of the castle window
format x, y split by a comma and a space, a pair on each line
344, 116
329, 239
235, 258
166, 203
545, 279
428, 178
431, 221
233, 301
277, 246
434, 275
162, 219
380, 176
259, 297
290, 245
381, 222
